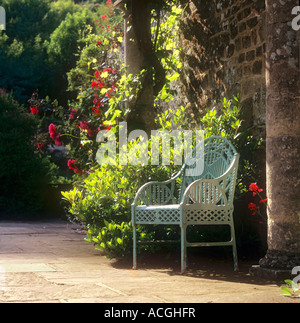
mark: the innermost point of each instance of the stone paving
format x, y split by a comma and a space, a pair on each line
50, 262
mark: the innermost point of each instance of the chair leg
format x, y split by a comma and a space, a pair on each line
134, 248
234, 250
183, 250
235, 258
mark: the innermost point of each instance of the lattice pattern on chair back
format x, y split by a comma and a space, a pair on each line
156, 194
217, 156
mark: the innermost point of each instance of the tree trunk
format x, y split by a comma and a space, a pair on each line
283, 137
137, 38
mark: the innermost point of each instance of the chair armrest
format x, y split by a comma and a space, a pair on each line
157, 193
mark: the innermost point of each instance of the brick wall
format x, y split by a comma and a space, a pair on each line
224, 54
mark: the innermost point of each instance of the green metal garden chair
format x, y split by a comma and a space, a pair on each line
205, 199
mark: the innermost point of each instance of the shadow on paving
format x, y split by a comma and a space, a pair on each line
215, 265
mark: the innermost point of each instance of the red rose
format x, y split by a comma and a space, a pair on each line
52, 128
253, 187
34, 109
54, 135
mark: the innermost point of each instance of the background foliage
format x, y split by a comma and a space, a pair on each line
40, 44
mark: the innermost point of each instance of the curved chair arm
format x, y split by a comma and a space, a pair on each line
215, 189
157, 193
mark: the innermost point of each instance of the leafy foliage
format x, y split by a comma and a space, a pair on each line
291, 289
22, 174
40, 44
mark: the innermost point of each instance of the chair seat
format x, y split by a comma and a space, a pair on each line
158, 214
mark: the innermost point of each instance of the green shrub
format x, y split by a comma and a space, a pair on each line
22, 173
115, 240
103, 203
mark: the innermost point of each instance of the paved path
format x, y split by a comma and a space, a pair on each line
50, 262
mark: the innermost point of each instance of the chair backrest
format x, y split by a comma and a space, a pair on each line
216, 156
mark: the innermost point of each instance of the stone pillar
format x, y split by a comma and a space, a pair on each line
283, 142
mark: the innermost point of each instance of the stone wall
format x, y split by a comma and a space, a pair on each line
224, 54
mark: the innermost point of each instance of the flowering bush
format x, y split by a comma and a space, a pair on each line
253, 207
95, 79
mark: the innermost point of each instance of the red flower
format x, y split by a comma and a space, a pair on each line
263, 201
34, 109
58, 141
52, 128
110, 93
90, 132
253, 208
108, 70
78, 171
84, 125
54, 135
96, 110
97, 74
109, 3
41, 145
253, 187
71, 165
107, 127
99, 42
96, 100
73, 114
104, 17
114, 71
94, 84
97, 84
